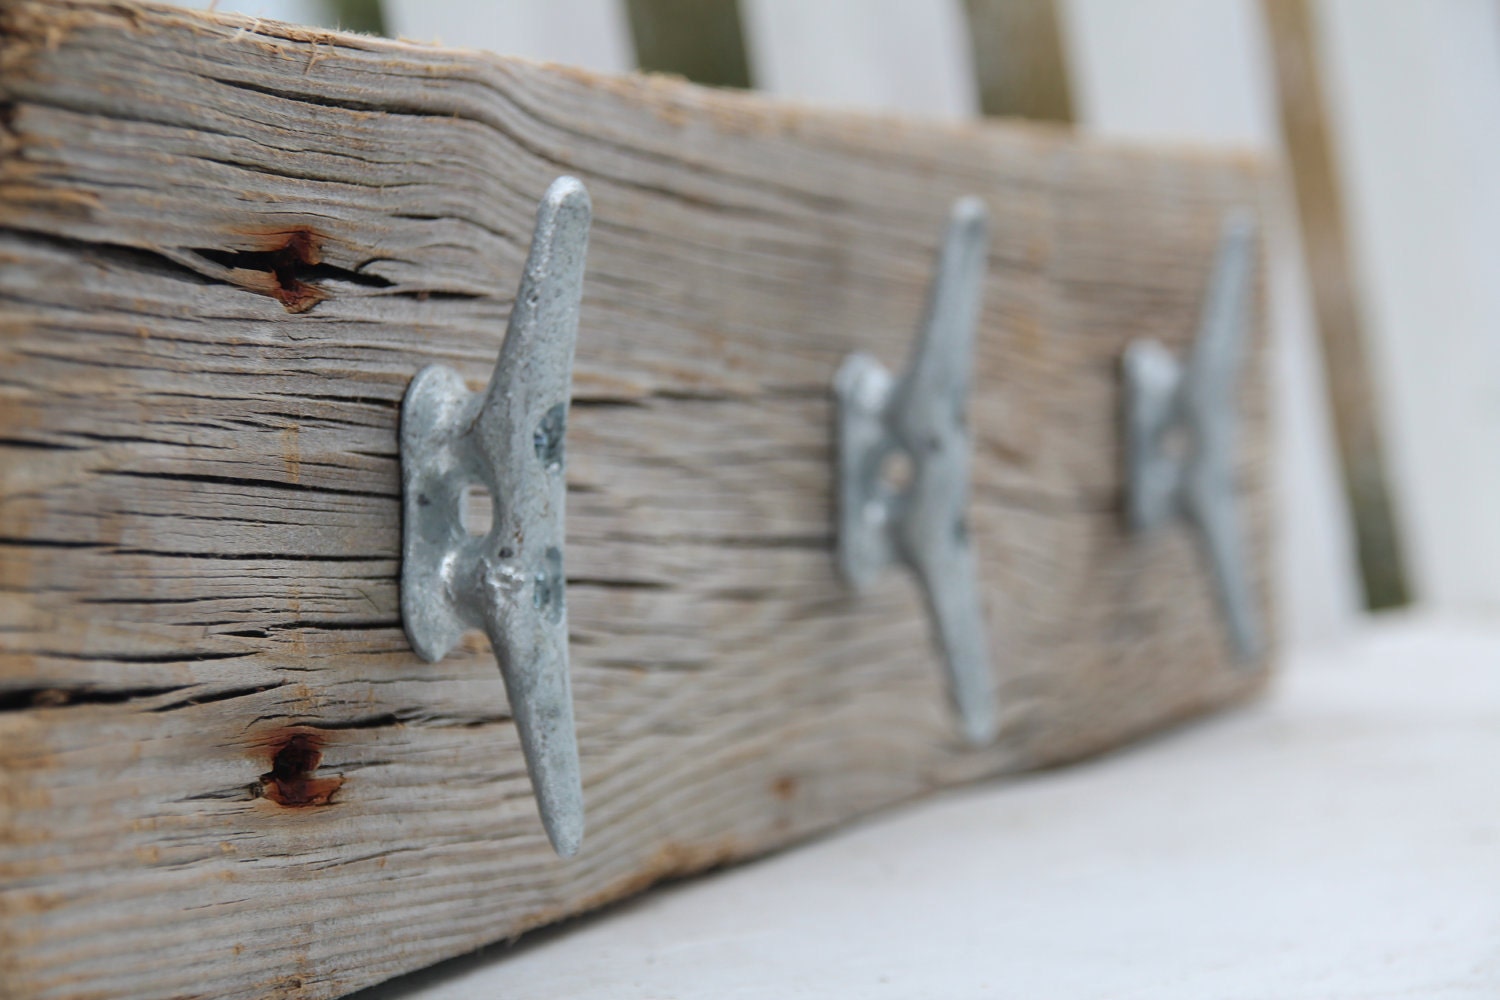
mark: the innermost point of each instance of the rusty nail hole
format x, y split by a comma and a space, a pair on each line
290, 781
285, 265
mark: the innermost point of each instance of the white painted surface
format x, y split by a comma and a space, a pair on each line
1338, 841
907, 56
592, 34
1417, 87
1185, 71
1198, 72
291, 11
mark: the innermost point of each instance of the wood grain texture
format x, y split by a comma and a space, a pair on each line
225, 248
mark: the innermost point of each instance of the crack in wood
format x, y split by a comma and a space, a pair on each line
288, 270
225, 694
24, 699
243, 481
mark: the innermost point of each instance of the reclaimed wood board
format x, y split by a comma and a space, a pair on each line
225, 248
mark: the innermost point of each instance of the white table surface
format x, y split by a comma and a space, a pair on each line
1339, 840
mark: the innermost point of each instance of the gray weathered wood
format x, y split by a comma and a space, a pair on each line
226, 246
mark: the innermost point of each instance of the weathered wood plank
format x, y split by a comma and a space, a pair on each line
228, 245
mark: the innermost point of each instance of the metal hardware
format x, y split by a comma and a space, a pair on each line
1193, 476
509, 441
919, 420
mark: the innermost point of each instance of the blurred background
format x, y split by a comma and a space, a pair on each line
1384, 292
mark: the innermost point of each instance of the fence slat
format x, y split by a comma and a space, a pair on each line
587, 33
1415, 91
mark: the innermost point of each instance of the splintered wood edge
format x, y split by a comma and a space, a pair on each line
226, 245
